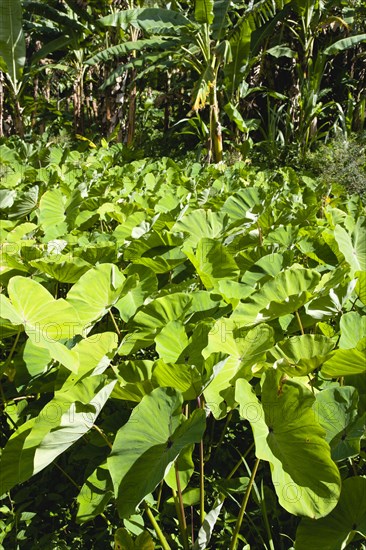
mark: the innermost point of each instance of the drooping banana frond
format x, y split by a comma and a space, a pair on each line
54, 15
114, 52
149, 20
253, 18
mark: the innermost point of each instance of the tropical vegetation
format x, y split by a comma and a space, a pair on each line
182, 275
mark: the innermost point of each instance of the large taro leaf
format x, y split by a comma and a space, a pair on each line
245, 349
133, 380
337, 530
184, 377
159, 312
63, 268
66, 418
353, 245
361, 286
352, 328
171, 341
240, 205
300, 355
200, 224
45, 320
96, 292
288, 436
141, 282
52, 214
124, 541
185, 466
147, 445
345, 362
337, 411
213, 262
95, 494
283, 294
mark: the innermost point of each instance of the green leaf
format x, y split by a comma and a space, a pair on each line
184, 377
63, 269
123, 540
213, 263
288, 436
52, 214
281, 51
361, 286
94, 495
171, 341
300, 355
284, 294
353, 245
352, 328
96, 292
159, 312
199, 224
66, 418
185, 466
245, 349
344, 44
151, 440
203, 12
46, 321
12, 40
151, 20
337, 530
337, 412
345, 362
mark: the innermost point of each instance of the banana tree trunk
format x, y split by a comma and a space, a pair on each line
1, 104
18, 118
132, 111
215, 127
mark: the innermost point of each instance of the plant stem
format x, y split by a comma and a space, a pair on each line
103, 435
68, 477
300, 323
160, 492
154, 523
265, 517
234, 541
201, 404
181, 509
115, 323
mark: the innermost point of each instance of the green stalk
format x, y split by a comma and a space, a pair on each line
103, 435
115, 323
239, 521
265, 517
300, 323
201, 404
181, 509
158, 531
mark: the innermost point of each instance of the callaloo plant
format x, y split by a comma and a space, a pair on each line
182, 357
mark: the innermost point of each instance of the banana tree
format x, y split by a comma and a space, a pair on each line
311, 61
209, 43
12, 54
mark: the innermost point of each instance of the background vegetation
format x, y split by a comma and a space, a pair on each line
275, 76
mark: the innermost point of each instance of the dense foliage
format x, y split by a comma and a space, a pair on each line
276, 75
183, 354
